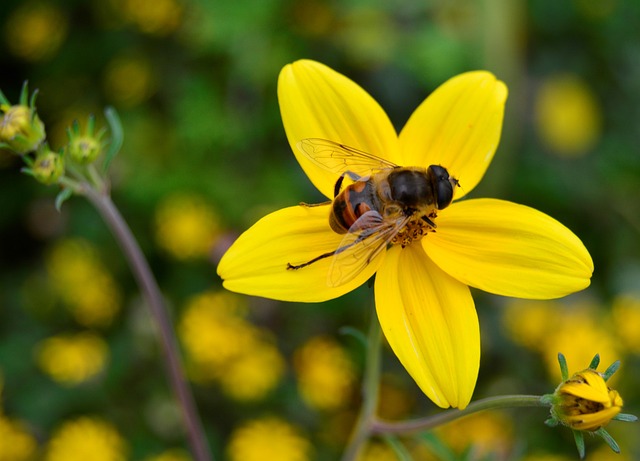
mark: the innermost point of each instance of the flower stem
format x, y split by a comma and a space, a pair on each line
423, 424
370, 389
151, 292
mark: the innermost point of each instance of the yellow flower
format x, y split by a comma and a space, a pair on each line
253, 374
129, 80
579, 334
186, 226
83, 283
268, 438
72, 359
86, 438
23, 445
325, 374
377, 451
156, 17
36, 30
422, 291
486, 433
214, 331
626, 318
585, 402
529, 322
567, 115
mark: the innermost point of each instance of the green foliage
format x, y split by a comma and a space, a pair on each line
192, 110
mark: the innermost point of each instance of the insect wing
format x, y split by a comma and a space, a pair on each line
366, 238
338, 158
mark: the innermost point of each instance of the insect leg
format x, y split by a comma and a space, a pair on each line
311, 205
324, 255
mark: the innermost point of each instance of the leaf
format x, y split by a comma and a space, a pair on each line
117, 136
63, 196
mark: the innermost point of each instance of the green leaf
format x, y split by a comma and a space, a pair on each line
607, 438
437, 447
579, 438
595, 362
611, 370
564, 370
62, 197
398, 448
117, 136
625, 417
357, 334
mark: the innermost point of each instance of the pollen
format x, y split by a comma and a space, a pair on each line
413, 231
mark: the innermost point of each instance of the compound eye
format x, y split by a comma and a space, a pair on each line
444, 193
443, 186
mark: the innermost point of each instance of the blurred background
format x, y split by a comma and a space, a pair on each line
205, 156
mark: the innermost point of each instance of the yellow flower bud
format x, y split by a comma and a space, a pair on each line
20, 128
48, 167
584, 402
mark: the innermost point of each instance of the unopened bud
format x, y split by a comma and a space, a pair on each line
20, 129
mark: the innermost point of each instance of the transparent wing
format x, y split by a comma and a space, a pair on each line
368, 236
338, 158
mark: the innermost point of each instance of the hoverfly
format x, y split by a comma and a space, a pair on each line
384, 205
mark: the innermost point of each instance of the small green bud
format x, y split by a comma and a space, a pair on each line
47, 167
21, 130
84, 149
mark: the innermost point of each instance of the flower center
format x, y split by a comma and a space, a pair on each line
415, 229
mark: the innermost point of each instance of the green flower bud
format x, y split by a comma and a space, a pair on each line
20, 129
84, 149
84, 145
47, 167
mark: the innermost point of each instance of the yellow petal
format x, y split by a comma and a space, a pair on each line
430, 322
591, 421
509, 249
458, 126
318, 102
256, 264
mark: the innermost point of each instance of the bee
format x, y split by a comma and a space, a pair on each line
384, 205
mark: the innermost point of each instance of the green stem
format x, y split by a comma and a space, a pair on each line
151, 292
423, 424
370, 390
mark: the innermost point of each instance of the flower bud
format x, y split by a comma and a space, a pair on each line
584, 402
47, 167
21, 130
84, 149
84, 145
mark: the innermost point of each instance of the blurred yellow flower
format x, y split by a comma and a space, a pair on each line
626, 318
488, 433
268, 438
377, 451
156, 17
527, 322
35, 30
567, 115
82, 282
128, 81
395, 401
23, 445
548, 457
550, 327
579, 335
325, 373
72, 358
171, 455
213, 330
186, 227
254, 373
222, 346
86, 438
